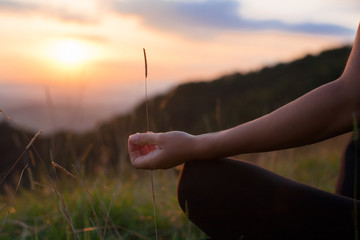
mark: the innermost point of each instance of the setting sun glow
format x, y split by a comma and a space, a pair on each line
70, 53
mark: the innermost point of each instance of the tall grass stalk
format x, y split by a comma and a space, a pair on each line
12, 168
148, 130
20, 157
189, 223
13, 197
61, 201
154, 202
146, 93
108, 221
355, 139
30, 141
91, 201
108, 214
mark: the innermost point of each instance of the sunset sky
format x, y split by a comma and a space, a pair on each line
72, 63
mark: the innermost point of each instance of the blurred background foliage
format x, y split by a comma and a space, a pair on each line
196, 107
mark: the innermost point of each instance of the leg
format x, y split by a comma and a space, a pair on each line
231, 199
346, 180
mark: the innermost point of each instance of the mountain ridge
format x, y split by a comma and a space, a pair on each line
226, 101
195, 107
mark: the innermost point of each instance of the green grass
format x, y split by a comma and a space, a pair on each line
123, 205
316, 165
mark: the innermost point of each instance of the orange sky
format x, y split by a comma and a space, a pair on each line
91, 51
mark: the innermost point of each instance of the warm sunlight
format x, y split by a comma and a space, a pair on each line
70, 52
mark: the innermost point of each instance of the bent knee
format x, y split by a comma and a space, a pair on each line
197, 180
187, 175
192, 178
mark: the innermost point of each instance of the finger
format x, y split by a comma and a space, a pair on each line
134, 154
146, 161
153, 147
144, 138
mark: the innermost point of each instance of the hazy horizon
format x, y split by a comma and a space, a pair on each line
67, 64
46, 108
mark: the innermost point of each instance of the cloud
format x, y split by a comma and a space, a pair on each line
17, 6
212, 15
61, 11
191, 18
94, 38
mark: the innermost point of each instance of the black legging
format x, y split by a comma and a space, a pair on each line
232, 199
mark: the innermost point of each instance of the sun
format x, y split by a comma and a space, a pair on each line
70, 52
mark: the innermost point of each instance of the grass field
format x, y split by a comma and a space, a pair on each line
101, 208
110, 207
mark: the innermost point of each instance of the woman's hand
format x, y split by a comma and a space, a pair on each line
160, 150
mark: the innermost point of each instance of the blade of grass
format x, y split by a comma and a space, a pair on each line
189, 223
146, 95
61, 201
13, 197
355, 139
97, 228
63, 170
154, 202
91, 201
26, 137
62, 205
107, 214
108, 220
148, 129
20, 157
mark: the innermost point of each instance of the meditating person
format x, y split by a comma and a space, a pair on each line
233, 199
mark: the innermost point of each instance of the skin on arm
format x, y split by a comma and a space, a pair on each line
320, 114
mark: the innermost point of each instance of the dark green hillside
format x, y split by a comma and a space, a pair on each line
195, 107
227, 101
12, 143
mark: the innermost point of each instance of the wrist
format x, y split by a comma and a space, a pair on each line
206, 146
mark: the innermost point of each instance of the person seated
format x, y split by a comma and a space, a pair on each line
233, 199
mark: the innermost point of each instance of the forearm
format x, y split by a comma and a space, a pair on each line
322, 113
